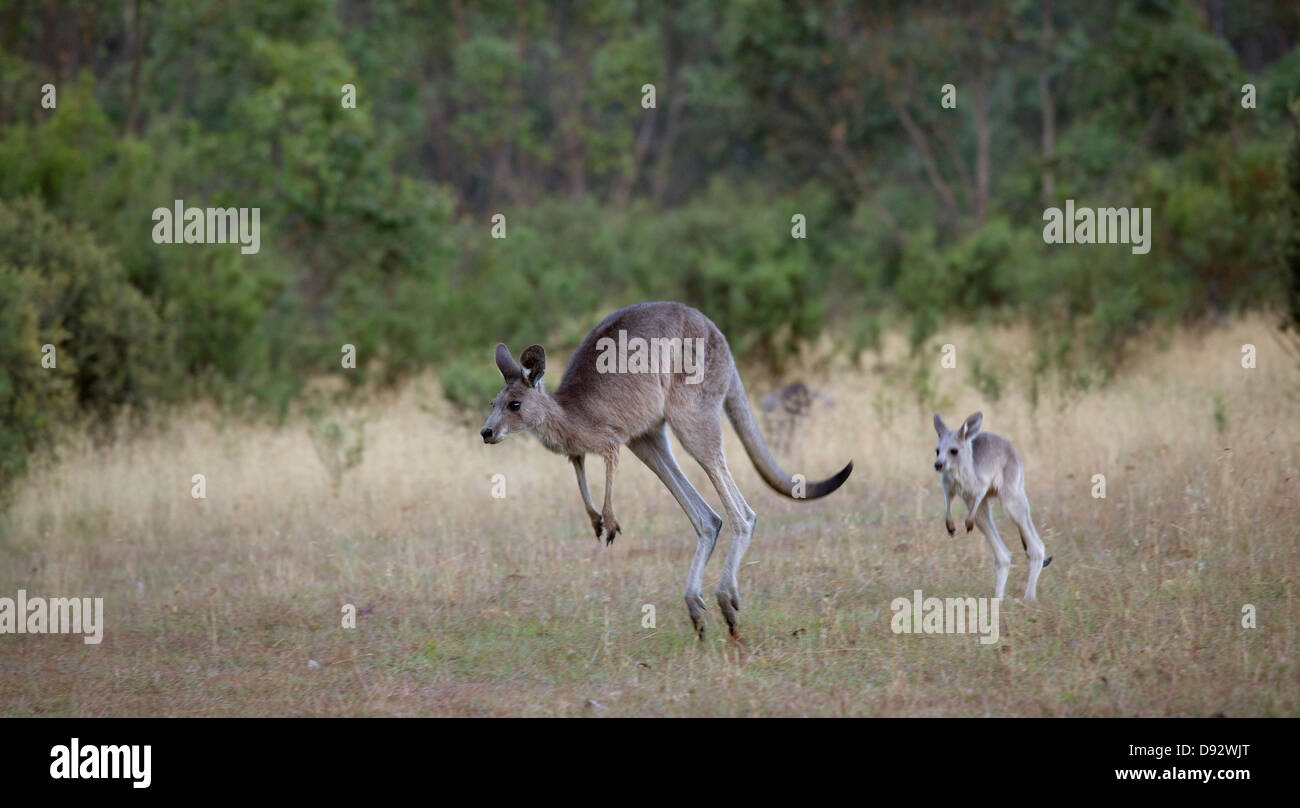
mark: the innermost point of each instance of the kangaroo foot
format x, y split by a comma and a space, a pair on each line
695, 605
729, 603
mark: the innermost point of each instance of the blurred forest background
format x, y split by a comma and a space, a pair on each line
375, 221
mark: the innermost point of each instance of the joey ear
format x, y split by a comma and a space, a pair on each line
506, 363
972, 426
939, 425
533, 360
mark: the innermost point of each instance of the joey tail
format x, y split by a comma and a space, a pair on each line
1025, 545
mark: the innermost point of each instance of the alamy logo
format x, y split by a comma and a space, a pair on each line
211, 226
946, 616
1100, 226
90, 762
55, 616
655, 355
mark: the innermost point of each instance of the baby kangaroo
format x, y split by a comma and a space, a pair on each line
977, 466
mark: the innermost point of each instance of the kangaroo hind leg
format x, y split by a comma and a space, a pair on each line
1001, 558
701, 437
1017, 507
653, 449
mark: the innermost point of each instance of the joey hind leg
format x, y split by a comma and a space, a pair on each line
1001, 558
1017, 507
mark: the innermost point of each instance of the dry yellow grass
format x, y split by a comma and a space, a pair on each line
479, 606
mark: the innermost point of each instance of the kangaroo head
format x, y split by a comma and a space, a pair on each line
520, 404
954, 448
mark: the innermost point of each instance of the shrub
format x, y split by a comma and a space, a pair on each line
58, 288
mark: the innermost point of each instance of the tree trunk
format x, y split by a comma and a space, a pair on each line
1049, 110
922, 145
645, 133
983, 160
137, 55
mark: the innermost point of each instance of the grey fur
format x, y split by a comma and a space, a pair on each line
978, 466
594, 412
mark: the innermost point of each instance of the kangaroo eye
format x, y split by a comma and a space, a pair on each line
936, 451
514, 405
952, 451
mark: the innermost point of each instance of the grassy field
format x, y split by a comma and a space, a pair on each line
472, 605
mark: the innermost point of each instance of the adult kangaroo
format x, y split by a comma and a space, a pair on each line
645, 368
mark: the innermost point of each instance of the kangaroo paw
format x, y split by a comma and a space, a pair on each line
952, 529
612, 529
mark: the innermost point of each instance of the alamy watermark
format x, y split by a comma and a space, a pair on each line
25, 615
182, 225
946, 616
654, 355
1099, 226
91, 762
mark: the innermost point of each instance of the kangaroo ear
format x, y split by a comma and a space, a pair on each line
972, 426
939, 425
533, 360
506, 363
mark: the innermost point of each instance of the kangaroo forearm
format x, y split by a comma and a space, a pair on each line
579, 468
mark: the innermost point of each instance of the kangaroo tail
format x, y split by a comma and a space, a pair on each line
742, 420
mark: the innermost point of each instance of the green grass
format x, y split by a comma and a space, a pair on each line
510, 607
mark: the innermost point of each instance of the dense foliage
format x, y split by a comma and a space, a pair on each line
377, 220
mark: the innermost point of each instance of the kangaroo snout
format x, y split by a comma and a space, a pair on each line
487, 434
938, 465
